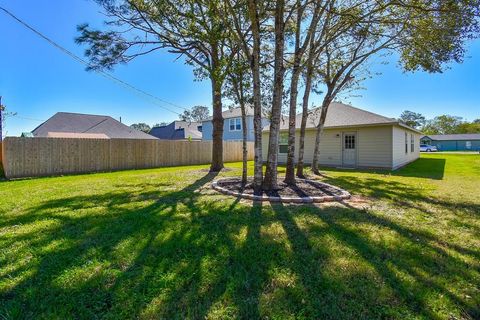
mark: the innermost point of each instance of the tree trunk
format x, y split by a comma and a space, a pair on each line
297, 68
290, 170
244, 141
257, 98
217, 121
316, 154
270, 181
306, 97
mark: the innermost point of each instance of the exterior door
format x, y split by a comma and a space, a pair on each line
349, 149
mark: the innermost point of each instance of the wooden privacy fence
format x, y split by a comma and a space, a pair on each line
33, 157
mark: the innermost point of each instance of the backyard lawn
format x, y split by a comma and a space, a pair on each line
161, 244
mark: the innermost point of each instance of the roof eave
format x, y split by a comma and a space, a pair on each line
390, 123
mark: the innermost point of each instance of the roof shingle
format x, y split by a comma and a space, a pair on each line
88, 123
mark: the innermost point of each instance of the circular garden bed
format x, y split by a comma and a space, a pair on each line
304, 191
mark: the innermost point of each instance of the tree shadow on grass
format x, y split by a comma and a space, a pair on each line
157, 253
401, 194
154, 253
430, 168
412, 270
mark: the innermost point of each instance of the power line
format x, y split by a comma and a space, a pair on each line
27, 118
105, 74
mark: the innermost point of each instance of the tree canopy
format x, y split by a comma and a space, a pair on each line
447, 124
274, 48
412, 119
141, 127
196, 114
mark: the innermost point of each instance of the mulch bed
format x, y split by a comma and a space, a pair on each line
223, 170
303, 191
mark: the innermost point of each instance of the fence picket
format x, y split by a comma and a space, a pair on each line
32, 157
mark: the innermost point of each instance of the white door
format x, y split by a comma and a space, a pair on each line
349, 148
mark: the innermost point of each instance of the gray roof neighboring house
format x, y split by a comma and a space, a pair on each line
450, 137
77, 125
342, 115
178, 130
234, 113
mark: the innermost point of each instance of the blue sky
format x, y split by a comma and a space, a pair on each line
37, 80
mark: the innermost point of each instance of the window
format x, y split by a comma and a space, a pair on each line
406, 142
412, 143
235, 124
468, 145
349, 142
283, 143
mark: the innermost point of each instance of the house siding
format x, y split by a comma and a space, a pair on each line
374, 146
456, 145
207, 129
400, 157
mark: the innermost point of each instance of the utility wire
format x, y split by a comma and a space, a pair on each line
105, 74
26, 118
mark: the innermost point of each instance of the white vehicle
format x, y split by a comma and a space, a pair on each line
427, 148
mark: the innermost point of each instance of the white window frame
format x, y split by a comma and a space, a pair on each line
282, 141
406, 142
237, 124
412, 143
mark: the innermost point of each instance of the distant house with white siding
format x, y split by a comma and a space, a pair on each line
353, 138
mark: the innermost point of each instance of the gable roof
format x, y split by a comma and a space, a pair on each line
77, 135
66, 122
234, 113
446, 137
178, 130
342, 115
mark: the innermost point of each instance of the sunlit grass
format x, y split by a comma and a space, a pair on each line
161, 244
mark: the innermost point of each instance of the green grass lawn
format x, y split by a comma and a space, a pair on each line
160, 244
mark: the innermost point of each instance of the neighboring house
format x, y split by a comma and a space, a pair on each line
353, 138
77, 125
232, 126
178, 130
453, 142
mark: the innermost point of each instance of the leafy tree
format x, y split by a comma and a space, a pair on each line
196, 114
412, 119
270, 179
444, 124
161, 124
193, 29
248, 31
238, 89
141, 127
469, 127
426, 34
447, 124
301, 45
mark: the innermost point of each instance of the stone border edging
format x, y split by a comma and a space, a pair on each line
344, 194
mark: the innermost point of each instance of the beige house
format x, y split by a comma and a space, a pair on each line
353, 138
